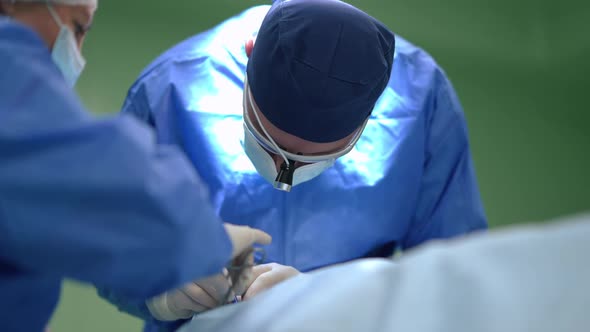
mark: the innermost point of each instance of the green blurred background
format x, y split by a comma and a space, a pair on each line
520, 68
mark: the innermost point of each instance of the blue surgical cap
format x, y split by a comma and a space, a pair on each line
318, 67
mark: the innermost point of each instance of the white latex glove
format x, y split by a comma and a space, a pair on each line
208, 293
195, 297
243, 237
265, 276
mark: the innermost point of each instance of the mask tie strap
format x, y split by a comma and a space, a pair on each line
284, 179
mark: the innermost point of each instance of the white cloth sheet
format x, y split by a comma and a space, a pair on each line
526, 278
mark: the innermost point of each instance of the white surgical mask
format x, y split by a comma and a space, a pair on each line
307, 172
65, 53
261, 160
266, 167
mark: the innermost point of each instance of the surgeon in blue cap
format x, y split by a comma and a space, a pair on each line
310, 120
93, 200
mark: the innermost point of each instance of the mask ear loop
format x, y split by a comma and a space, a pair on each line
249, 98
54, 14
284, 179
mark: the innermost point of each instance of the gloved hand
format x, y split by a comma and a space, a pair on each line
243, 237
195, 297
265, 276
211, 292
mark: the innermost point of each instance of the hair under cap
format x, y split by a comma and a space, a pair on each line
318, 67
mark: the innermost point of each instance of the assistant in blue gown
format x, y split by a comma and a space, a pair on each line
409, 179
96, 201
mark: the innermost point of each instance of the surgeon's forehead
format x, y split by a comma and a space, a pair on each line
291, 143
83, 13
86, 12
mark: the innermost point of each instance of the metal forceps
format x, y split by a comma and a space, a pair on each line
236, 269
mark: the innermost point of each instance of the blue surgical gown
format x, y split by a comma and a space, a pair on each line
93, 200
409, 179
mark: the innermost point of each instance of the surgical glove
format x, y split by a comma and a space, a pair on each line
193, 298
243, 237
265, 276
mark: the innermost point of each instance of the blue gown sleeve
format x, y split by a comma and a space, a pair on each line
102, 204
137, 104
96, 200
449, 203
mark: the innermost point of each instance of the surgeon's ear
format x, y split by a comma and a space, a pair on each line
250, 46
